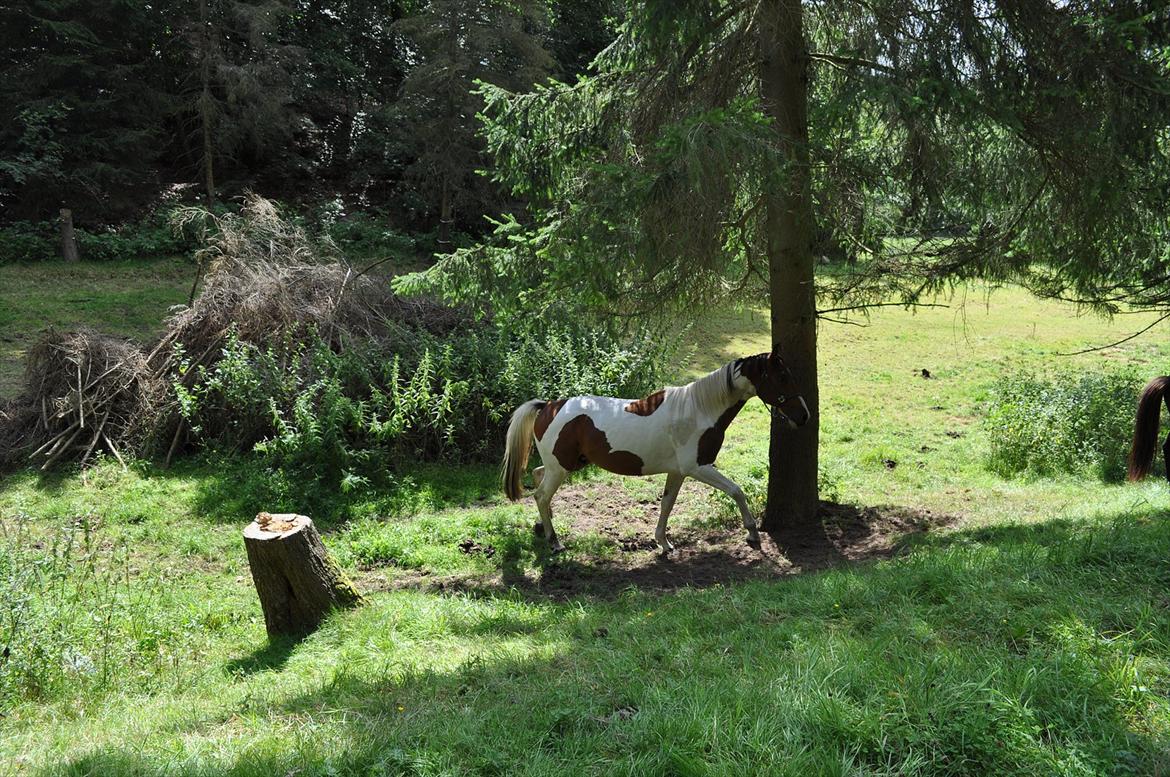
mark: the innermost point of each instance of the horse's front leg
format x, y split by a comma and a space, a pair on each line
674, 482
713, 477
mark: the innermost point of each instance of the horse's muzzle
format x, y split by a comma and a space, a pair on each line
794, 411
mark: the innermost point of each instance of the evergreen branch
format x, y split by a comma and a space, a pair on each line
840, 321
847, 62
868, 305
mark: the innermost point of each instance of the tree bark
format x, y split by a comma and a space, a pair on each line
206, 106
446, 218
446, 206
297, 581
69, 250
341, 139
784, 69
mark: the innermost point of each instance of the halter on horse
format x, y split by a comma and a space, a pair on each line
677, 431
1145, 429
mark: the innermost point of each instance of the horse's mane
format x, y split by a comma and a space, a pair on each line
712, 392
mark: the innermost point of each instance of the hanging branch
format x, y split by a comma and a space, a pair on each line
867, 305
1136, 334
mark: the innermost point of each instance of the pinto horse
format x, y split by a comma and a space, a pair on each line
676, 431
1145, 429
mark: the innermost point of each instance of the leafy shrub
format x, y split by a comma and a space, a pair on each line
1074, 422
364, 234
134, 241
28, 241
345, 417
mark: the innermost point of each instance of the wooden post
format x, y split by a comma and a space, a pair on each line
298, 583
68, 239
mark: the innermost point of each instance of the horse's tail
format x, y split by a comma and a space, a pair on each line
517, 447
1145, 429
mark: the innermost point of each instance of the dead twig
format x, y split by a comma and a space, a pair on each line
174, 442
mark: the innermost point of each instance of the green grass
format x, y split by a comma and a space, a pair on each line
122, 298
875, 405
1034, 637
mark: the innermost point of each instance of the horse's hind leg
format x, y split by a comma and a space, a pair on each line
674, 482
546, 487
537, 477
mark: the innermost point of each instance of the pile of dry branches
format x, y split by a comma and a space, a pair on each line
265, 282
267, 278
84, 392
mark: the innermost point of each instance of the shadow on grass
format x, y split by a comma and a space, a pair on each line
273, 655
703, 557
235, 488
54, 482
1028, 649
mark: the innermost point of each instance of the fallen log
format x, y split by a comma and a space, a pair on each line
297, 581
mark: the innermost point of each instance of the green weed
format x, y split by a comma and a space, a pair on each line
1079, 423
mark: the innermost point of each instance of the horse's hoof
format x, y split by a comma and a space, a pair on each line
538, 529
555, 546
753, 541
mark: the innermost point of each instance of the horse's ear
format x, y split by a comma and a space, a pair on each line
774, 356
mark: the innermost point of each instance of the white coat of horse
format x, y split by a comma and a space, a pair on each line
677, 431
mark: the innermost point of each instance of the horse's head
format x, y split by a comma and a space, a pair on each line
773, 383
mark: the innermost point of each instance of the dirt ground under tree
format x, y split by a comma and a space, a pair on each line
703, 556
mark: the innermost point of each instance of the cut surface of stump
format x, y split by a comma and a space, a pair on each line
296, 579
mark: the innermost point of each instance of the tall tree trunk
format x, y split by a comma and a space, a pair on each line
342, 138
792, 473
446, 217
206, 105
68, 238
446, 206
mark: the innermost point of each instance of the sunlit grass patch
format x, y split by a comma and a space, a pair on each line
1033, 636
127, 299
1029, 647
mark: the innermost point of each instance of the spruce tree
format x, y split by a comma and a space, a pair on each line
82, 107
455, 44
718, 142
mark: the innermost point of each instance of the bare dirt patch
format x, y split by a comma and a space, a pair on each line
702, 557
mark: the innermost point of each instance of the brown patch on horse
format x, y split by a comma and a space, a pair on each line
546, 416
580, 443
647, 405
1145, 430
712, 439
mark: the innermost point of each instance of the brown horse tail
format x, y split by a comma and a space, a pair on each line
1145, 430
517, 446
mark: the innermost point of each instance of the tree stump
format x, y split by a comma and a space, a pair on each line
297, 581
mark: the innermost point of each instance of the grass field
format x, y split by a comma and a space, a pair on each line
1031, 634
126, 298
